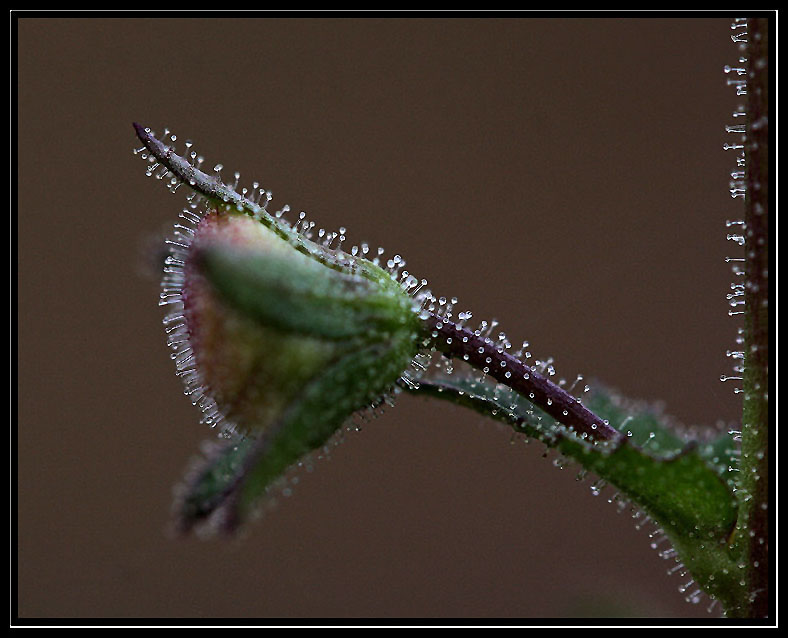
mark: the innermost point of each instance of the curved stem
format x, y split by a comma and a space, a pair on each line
483, 354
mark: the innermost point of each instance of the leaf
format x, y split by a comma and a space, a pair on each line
682, 485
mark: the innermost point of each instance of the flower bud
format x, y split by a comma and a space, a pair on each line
265, 320
277, 338
284, 341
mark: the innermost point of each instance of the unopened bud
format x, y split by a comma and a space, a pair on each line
278, 339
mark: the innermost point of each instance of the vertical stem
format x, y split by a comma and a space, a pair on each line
753, 525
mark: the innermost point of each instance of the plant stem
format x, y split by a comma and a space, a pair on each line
483, 354
752, 536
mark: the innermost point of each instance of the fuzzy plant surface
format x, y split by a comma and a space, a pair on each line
281, 334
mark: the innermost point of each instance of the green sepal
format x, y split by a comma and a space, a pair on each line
296, 294
210, 481
322, 408
228, 484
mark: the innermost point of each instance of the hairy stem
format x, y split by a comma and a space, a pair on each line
483, 354
753, 526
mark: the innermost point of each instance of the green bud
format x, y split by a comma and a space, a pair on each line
280, 344
278, 339
265, 319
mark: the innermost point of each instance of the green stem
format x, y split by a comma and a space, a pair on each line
752, 537
676, 491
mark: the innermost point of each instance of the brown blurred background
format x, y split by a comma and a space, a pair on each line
565, 176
